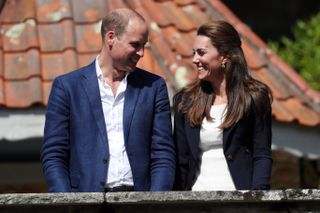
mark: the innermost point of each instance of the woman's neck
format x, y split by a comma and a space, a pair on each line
220, 92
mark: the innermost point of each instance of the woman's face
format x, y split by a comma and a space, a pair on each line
207, 59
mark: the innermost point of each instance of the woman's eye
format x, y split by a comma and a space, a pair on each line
201, 53
198, 52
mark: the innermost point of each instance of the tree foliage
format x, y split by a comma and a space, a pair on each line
303, 51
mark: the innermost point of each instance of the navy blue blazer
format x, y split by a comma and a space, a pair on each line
75, 151
246, 146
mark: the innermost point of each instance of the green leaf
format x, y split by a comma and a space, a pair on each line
303, 51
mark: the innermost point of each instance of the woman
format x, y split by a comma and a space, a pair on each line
222, 121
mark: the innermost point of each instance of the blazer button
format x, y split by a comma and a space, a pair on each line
229, 157
105, 161
102, 183
248, 151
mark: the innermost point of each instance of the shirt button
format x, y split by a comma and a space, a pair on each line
229, 157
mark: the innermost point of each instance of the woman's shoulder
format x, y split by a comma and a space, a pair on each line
261, 104
180, 96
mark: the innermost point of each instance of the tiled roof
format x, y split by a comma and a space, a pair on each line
41, 39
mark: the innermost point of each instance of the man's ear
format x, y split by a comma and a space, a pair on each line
110, 37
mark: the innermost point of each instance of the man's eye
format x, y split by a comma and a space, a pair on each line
135, 45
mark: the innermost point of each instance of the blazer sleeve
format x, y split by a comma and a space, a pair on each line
55, 149
181, 145
162, 146
262, 155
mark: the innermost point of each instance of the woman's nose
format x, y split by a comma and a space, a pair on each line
195, 59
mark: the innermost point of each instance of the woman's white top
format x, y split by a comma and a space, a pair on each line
214, 172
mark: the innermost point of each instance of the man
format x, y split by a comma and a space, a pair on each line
108, 125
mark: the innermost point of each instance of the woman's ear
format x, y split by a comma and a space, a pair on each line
223, 60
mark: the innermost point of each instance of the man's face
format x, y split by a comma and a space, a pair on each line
129, 47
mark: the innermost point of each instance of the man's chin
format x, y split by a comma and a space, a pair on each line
129, 69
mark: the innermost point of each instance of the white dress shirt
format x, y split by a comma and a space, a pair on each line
119, 172
214, 171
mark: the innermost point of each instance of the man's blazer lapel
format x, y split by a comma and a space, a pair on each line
130, 101
91, 87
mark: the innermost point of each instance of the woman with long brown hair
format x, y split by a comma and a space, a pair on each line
222, 120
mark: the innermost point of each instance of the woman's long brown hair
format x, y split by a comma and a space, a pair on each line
196, 99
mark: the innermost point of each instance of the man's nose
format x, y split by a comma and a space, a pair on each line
140, 52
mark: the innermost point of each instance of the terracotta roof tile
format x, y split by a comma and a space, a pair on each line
1, 64
88, 11
288, 71
23, 93
153, 9
45, 38
179, 41
195, 13
135, 4
280, 112
1, 31
53, 10
254, 60
313, 94
224, 12
88, 37
54, 64
20, 36
16, 11
184, 73
22, 65
184, 2
113, 4
56, 37
46, 87
178, 17
303, 114
278, 88
148, 63
2, 101
163, 51
85, 59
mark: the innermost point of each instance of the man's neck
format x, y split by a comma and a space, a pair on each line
110, 75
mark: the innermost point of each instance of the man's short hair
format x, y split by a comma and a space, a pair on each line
117, 21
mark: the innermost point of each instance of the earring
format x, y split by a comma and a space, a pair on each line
223, 66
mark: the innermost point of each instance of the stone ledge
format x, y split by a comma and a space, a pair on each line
118, 198
52, 198
214, 196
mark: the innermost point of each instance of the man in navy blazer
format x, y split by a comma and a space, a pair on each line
83, 125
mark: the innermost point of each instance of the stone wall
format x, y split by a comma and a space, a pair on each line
289, 200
